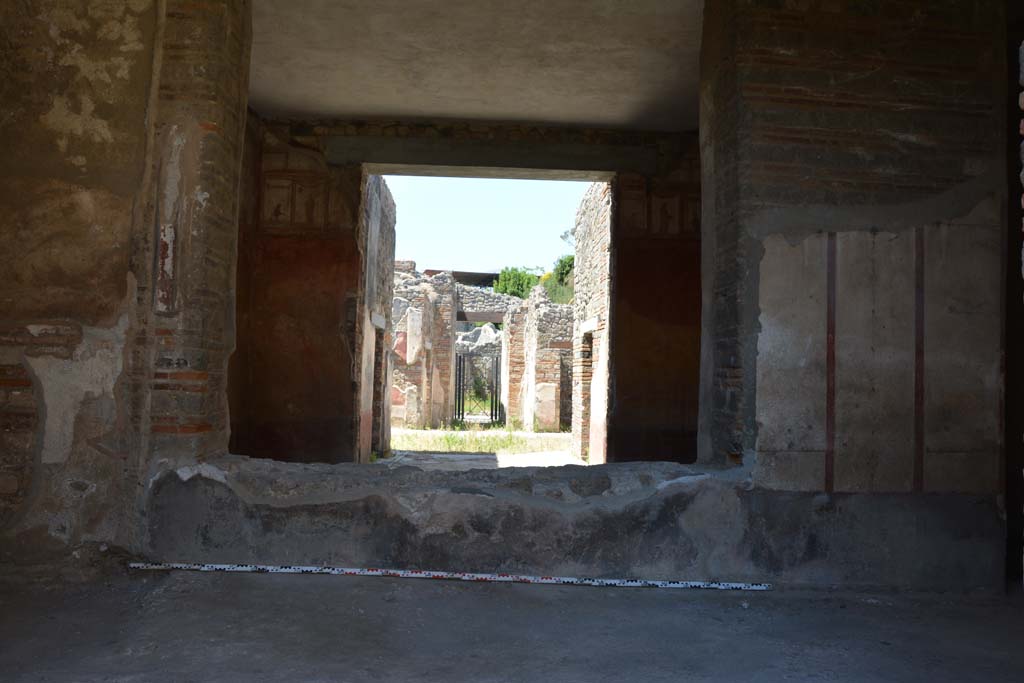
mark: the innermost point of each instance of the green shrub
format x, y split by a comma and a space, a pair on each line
563, 268
559, 282
515, 281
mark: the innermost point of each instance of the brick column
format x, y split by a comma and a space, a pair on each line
186, 312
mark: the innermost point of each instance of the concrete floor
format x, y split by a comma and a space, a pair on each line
233, 627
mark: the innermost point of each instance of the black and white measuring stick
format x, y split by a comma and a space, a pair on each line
451, 576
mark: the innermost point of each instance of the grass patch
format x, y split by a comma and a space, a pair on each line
473, 439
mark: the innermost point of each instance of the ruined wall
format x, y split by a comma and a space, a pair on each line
591, 300
76, 81
423, 344
547, 342
484, 300
298, 293
655, 327
854, 221
377, 246
122, 138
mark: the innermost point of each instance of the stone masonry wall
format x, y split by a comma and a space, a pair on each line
484, 300
377, 246
591, 274
383, 256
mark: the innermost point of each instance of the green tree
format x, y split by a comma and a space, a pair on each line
515, 281
563, 268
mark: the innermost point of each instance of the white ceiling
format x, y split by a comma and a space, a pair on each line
629, 64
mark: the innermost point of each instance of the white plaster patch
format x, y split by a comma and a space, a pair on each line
105, 9
91, 372
37, 330
61, 119
686, 479
414, 335
63, 19
97, 71
201, 470
172, 172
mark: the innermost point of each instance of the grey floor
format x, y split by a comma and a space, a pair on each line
463, 462
234, 627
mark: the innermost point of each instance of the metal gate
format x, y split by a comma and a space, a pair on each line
478, 388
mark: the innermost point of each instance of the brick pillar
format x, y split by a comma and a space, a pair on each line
186, 312
512, 362
19, 417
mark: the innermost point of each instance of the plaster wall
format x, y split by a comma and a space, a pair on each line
655, 314
854, 258
122, 136
76, 82
298, 294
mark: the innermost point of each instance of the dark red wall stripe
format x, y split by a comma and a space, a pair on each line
919, 359
830, 363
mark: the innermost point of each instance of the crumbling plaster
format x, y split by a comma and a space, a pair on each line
90, 373
77, 82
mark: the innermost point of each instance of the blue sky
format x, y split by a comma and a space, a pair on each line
483, 224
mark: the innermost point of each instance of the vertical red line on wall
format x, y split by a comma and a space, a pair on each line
918, 359
830, 363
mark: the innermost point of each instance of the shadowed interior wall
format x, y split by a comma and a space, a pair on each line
1015, 296
292, 378
122, 134
853, 207
74, 136
655, 319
